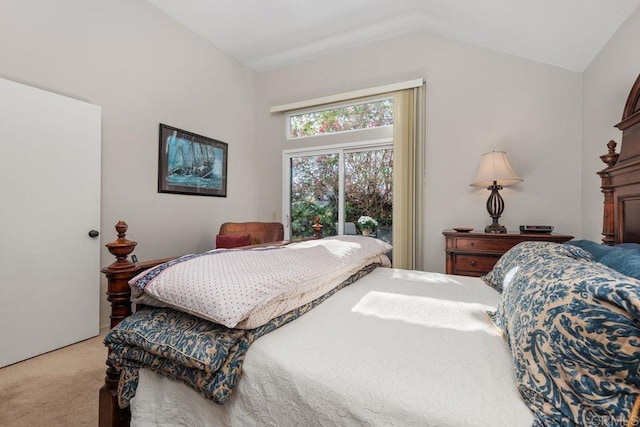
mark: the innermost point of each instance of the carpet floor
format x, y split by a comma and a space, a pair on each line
59, 388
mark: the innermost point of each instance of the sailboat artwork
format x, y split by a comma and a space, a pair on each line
191, 164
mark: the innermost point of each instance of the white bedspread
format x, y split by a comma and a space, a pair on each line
396, 348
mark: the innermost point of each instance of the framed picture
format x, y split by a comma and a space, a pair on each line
191, 164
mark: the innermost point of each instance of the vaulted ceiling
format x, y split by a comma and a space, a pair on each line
269, 34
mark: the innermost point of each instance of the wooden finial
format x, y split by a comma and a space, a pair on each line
317, 228
121, 247
121, 228
611, 157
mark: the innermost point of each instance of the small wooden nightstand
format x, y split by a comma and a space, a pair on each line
475, 254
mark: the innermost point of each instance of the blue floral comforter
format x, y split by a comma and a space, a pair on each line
206, 356
573, 328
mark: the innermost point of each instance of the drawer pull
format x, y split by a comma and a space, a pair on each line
473, 263
472, 243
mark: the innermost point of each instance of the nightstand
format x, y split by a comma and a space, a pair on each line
475, 254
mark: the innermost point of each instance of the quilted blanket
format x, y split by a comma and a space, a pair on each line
206, 356
246, 288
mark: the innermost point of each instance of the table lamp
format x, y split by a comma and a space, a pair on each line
495, 172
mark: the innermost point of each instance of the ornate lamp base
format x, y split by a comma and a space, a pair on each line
495, 228
495, 206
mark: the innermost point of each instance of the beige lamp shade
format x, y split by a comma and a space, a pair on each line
495, 166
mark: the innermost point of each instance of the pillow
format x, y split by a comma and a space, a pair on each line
598, 250
632, 246
253, 286
228, 241
572, 326
625, 261
525, 251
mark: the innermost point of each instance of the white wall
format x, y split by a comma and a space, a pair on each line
142, 68
606, 85
478, 100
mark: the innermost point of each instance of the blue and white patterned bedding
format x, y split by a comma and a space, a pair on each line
573, 327
397, 348
204, 355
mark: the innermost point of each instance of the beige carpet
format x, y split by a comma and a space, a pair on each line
59, 388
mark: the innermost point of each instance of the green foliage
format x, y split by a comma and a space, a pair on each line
352, 117
369, 185
303, 213
314, 190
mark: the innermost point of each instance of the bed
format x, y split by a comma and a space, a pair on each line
398, 347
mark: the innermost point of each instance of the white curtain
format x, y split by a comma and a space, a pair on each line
408, 172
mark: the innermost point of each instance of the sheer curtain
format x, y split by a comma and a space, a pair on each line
408, 172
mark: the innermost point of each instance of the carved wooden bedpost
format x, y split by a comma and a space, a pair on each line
118, 275
608, 221
119, 295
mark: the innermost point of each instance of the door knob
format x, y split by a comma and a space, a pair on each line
94, 233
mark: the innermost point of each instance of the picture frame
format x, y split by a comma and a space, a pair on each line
193, 164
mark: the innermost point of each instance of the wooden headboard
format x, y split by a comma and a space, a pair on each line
621, 178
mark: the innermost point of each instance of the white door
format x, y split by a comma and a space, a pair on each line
49, 201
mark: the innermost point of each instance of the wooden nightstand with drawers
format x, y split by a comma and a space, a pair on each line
475, 253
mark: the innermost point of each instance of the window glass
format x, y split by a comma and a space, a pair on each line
314, 192
366, 115
368, 184
341, 196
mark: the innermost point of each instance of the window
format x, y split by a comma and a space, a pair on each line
368, 185
399, 120
339, 184
345, 118
314, 191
